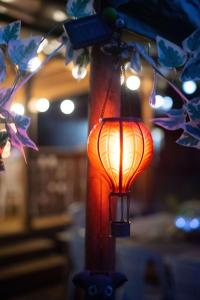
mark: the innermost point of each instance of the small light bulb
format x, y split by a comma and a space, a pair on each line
79, 72
18, 108
67, 106
158, 103
34, 63
42, 45
42, 105
133, 82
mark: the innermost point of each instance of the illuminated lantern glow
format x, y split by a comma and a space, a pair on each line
120, 149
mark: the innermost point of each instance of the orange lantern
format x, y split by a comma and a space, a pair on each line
120, 149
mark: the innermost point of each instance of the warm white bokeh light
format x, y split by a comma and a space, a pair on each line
42, 105
18, 108
79, 72
133, 82
34, 63
59, 15
67, 106
158, 102
189, 87
6, 150
32, 106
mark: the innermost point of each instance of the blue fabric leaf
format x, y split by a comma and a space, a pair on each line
135, 61
178, 113
191, 70
10, 32
192, 43
22, 121
79, 8
193, 129
6, 114
21, 51
188, 141
170, 123
169, 54
25, 140
5, 98
193, 110
2, 66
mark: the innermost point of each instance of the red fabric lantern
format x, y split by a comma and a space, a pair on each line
120, 149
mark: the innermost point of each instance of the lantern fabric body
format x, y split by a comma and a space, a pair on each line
120, 148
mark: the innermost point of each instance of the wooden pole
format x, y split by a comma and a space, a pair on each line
100, 246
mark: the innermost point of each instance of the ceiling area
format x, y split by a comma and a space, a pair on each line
40, 17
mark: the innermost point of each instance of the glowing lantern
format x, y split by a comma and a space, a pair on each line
120, 148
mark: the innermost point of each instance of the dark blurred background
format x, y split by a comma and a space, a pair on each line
42, 204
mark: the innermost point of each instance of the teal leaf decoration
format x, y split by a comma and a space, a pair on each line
21, 51
193, 129
191, 70
79, 8
22, 122
135, 63
2, 66
10, 32
193, 110
188, 141
192, 43
169, 54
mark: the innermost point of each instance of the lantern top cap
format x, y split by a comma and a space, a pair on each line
115, 119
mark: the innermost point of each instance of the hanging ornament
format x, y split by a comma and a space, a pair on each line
79, 72
120, 149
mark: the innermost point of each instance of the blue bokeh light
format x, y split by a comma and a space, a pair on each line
180, 222
194, 223
189, 87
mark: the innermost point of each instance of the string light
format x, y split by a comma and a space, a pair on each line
189, 87
67, 106
133, 82
42, 105
18, 108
